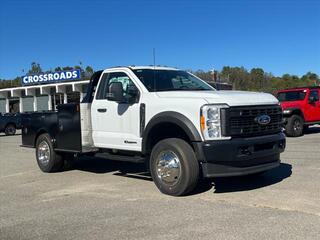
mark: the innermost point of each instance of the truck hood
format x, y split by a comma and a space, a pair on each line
232, 98
291, 104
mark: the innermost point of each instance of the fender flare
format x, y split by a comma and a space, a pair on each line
44, 131
10, 123
174, 118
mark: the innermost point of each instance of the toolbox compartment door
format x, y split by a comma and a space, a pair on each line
69, 128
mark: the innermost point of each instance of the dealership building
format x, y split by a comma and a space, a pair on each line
43, 92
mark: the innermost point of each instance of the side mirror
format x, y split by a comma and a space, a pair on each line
115, 92
132, 93
312, 99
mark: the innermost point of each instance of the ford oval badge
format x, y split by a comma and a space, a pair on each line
263, 119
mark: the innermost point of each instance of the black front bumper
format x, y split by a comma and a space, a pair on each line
240, 156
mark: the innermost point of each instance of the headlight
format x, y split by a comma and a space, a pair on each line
210, 121
286, 111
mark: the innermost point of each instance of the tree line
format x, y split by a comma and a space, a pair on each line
257, 79
240, 78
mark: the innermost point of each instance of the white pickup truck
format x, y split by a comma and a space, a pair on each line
168, 118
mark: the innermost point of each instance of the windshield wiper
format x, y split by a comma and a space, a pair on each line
193, 89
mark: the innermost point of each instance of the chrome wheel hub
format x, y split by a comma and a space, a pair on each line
168, 167
44, 153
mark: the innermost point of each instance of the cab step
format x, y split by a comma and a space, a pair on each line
123, 158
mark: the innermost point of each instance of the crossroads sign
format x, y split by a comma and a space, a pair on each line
45, 78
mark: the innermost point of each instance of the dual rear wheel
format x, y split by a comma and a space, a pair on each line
49, 160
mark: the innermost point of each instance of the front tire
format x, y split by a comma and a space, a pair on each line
294, 127
10, 130
174, 167
48, 160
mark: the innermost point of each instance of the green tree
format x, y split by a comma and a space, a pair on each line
237, 76
311, 78
35, 68
67, 68
257, 79
58, 69
89, 70
207, 76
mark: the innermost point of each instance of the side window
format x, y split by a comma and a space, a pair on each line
315, 94
102, 86
110, 78
122, 78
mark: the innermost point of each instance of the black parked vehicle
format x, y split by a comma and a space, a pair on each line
9, 123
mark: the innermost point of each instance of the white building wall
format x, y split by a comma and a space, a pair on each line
36, 97
2, 105
28, 104
42, 103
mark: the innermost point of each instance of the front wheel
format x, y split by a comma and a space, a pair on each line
10, 130
174, 167
294, 127
48, 160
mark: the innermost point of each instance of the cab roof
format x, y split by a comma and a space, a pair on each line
151, 67
299, 88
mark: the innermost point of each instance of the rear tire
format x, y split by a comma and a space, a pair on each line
48, 160
174, 167
294, 127
10, 130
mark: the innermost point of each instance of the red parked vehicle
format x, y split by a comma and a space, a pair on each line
301, 108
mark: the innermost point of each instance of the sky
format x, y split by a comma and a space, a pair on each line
278, 36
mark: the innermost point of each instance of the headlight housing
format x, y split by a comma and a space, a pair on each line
286, 111
210, 121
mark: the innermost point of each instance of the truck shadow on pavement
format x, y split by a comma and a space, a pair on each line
251, 182
219, 185
125, 169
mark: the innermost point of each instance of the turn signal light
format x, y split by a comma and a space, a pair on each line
202, 123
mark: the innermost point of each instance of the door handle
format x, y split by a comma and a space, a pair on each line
102, 110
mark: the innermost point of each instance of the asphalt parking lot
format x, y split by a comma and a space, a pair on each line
101, 199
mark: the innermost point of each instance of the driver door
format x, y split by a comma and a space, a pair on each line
314, 107
115, 125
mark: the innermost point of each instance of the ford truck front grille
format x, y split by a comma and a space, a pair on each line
242, 121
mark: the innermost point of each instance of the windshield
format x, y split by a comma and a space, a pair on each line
170, 80
291, 96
